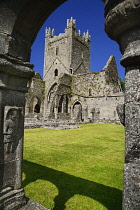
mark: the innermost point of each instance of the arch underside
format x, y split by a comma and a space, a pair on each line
19, 31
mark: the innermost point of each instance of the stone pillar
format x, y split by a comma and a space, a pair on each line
56, 107
14, 77
64, 105
56, 112
123, 25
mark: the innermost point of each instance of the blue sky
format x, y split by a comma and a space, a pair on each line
89, 15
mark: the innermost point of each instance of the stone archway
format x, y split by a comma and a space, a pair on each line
35, 105
63, 104
122, 25
51, 101
77, 111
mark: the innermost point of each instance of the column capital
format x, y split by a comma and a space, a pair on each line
121, 15
14, 73
123, 25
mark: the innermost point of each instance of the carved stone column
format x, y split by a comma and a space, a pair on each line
14, 77
123, 25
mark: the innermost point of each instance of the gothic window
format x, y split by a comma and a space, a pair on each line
35, 105
56, 72
51, 92
37, 108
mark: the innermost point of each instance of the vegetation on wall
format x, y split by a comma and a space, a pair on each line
122, 84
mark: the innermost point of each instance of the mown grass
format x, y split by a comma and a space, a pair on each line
78, 169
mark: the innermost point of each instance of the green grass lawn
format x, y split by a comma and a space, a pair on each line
76, 169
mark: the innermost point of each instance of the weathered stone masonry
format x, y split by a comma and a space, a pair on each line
35, 97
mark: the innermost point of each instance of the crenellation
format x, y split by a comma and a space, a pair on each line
57, 38
71, 23
84, 41
50, 33
86, 36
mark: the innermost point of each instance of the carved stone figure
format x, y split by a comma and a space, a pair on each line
11, 129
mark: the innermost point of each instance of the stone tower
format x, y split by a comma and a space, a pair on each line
68, 52
72, 92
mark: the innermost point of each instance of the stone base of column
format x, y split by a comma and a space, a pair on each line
12, 199
16, 200
32, 205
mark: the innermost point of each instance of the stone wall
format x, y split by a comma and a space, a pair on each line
80, 62
101, 83
35, 97
68, 52
99, 109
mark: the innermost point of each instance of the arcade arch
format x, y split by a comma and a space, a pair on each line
35, 105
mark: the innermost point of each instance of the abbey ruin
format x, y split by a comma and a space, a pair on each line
69, 91
20, 22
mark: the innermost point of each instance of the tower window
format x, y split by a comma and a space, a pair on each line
71, 72
56, 72
57, 50
82, 55
90, 92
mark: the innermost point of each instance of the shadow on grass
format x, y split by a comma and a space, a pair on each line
69, 185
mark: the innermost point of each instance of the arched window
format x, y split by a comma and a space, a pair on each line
56, 72
51, 92
37, 108
35, 105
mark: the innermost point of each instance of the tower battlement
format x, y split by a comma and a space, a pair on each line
50, 32
71, 24
85, 37
68, 52
70, 27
